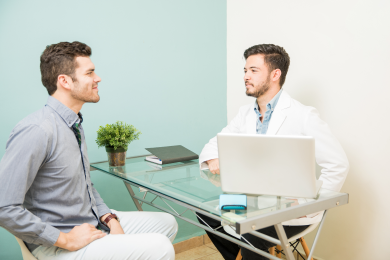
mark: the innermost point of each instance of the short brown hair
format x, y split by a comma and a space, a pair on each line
275, 57
59, 59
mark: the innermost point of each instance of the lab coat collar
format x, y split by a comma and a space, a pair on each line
279, 114
277, 119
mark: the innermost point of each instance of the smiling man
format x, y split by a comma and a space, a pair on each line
274, 112
46, 195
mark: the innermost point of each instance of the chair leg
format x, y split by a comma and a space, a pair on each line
272, 250
305, 247
279, 252
239, 256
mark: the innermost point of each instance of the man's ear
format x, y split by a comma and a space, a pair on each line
64, 81
275, 75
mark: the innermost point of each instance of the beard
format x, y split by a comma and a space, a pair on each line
260, 89
82, 94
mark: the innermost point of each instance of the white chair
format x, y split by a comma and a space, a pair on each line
302, 240
25, 252
299, 237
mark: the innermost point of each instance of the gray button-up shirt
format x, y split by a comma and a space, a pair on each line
44, 188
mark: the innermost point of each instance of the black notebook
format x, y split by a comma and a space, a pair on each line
170, 154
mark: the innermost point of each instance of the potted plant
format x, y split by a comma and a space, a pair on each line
116, 138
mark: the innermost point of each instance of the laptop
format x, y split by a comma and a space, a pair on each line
269, 165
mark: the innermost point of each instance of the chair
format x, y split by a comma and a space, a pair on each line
294, 241
25, 252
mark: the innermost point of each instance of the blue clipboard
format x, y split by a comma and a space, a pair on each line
232, 202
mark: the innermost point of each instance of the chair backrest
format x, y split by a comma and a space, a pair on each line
25, 252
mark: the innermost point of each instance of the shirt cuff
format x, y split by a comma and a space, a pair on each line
48, 237
103, 210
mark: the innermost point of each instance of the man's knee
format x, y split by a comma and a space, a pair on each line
171, 226
170, 220
164, 246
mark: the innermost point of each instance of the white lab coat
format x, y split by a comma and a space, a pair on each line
290, 117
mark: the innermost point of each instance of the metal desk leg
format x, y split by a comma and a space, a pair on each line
284, 241
130, 190
317, 235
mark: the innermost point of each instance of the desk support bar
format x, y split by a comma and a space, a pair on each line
265, 237
284, 241
317, 235
132, 195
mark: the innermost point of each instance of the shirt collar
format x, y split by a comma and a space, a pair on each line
272, 104
67, 114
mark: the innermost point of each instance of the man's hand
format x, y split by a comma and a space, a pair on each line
114, 226
79, 237
213, 165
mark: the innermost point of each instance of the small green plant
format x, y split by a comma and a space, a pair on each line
117, 135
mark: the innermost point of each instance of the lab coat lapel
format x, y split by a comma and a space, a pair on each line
279, 115
251, 120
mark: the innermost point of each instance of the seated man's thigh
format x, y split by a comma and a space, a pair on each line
115, 247
141, 222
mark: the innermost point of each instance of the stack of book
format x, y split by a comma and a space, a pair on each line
170, 154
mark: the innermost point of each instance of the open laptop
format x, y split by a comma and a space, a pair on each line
265, 164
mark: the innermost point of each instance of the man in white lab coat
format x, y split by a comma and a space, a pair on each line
274, 112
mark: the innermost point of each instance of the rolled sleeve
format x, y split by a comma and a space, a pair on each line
48, 237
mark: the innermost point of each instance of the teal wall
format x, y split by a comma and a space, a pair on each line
163, 69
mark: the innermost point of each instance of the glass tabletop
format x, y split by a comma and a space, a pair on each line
184, 181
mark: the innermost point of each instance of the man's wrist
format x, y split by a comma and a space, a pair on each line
113, 223
110, 218
208, 161
62, 241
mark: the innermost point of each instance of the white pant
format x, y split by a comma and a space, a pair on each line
148, 235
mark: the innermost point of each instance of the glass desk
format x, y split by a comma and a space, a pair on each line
198, 191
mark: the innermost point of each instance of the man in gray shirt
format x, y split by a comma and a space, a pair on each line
46, 195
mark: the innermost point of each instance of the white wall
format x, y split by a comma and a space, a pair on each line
340, 62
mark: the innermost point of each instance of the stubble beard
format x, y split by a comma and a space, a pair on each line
261, 89
81, 95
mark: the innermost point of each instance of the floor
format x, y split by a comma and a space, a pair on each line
203, 252
207, 252
201, 248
